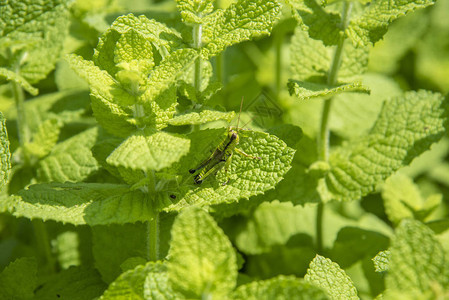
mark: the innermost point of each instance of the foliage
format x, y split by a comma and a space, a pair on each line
320, 127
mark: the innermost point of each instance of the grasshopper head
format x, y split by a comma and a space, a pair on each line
233, 136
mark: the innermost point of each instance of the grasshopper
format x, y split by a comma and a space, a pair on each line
222, 156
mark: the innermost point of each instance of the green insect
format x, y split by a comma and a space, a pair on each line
222, 156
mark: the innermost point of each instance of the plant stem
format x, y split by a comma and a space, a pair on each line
197, 33
278, 40
323, 141
21, 114
220, 68
153, 238
43, 243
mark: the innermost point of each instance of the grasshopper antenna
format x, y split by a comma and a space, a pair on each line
238, 120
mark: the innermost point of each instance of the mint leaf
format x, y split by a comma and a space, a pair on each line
196, 118
240, 22
202, 261
281, 287
70, 160
308, 90
402, 199
171, 67
132, 284
5, 156
381, 261
372, 24
149, 151
44, 139
330, 277
82, 203
113, 245
417, 260
193, 11
157, 285
75, 283
67, 244
19, 279
405, 128
320, 24
311, 59
246, 176
13, 76
39, 30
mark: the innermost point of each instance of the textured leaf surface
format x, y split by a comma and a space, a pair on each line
240, 22
5, 155
307, 90
202, 260
193, 11
202, 117
83, 203
70, 160
373, 23
41, 27
321, 24
417, 260
330, 277
247, 177
19, 279
311, 59
157, 286
165, 74
381, 261
77, 283
45, 138
281, 287
131, 284
405, 128
147, 152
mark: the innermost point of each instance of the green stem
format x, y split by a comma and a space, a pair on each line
197, 34
220, 68
323, 139
278, 40
43, 243
153, 238
21, 114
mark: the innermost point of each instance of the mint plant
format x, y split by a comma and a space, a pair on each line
106, 107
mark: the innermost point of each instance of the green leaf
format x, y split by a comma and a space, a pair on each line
165, 74
157, 286
308, 90
193, 11
45, 138
83, 203
101, 84
241, 21
372, 24
67, 244
330, 277
246, 176
381, 261
320, 24
77, 283
406, 127
13, 76
5, 155
39, 29
417, 261
19, 279
402, 199
133, 284
202, 261
311, 59
149, 151
113, 245
281, 287
354, 244
134, 52
205, 116
70, 160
